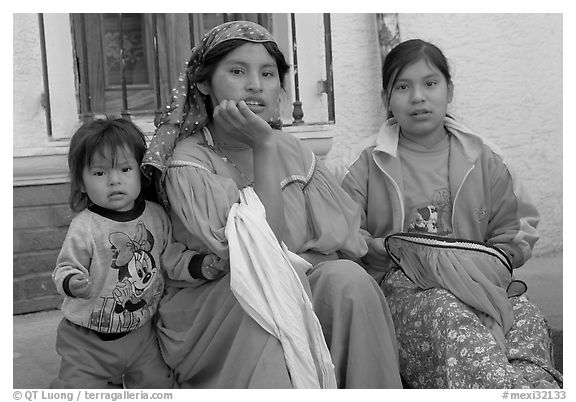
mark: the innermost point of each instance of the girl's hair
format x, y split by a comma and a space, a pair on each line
106, 137
213, 57
407, 53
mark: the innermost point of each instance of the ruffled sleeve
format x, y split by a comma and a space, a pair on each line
333, 215
323, 217
200, 201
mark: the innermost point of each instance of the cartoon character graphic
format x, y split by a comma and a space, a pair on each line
434, 218
427, 220
136, 268
442, 200
138, 285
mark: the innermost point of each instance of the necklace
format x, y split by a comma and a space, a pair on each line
219, 150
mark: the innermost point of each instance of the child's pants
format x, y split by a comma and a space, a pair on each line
90, 362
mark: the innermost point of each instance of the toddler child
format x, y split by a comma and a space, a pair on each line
110, 267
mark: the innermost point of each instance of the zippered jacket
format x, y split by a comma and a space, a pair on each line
489, 203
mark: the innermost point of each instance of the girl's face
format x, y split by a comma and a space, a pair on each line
419, 100
113, 185
247, 73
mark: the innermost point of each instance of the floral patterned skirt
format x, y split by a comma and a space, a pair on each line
443, 344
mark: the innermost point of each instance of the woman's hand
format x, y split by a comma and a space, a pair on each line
240, 123
244, 125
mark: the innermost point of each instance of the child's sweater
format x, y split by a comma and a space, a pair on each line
124, 253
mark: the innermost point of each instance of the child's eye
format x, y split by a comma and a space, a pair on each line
126, 169
98, 173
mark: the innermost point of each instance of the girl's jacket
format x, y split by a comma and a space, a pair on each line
489, 204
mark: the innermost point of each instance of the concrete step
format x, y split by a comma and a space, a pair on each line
36, 362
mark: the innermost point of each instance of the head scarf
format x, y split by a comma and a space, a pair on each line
186, 112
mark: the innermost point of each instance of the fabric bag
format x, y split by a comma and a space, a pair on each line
478, 274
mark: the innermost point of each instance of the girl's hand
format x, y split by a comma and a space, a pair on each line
80, 286
377, 255
214, 267
238, 120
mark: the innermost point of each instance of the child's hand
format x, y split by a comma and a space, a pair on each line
80, 286
214, 267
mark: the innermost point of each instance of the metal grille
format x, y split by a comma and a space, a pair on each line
128, 46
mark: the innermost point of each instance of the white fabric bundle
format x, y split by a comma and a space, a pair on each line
264, 279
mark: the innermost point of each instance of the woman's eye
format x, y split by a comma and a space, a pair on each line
431, 83
401, 87
268, 74
236, 71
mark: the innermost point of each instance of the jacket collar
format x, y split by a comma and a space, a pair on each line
387, 138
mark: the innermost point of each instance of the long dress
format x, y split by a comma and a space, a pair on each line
457, 338
204, 334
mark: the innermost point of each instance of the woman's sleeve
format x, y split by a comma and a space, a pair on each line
355, 182
513, 217
334, 217
202, 200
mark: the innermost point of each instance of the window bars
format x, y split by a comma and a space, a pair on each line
85, 90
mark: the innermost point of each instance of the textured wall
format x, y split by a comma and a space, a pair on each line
357, 82
29, 117
507, 72
40, 221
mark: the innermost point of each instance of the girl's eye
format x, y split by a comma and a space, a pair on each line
126, 169
401, 87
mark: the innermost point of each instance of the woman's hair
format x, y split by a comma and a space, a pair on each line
107, 137
213, 56
407, 53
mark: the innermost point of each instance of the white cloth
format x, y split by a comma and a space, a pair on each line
267, 286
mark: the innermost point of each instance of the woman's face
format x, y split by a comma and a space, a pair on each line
247, 73
419, 101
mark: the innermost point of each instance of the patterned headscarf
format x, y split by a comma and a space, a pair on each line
186, 112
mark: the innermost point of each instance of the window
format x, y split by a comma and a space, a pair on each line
127, 63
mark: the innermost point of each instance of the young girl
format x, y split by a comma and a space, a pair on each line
110, 266
426, 173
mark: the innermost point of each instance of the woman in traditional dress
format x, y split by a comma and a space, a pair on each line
220, 134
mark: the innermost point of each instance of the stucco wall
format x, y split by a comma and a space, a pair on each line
29, 117
507, 71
